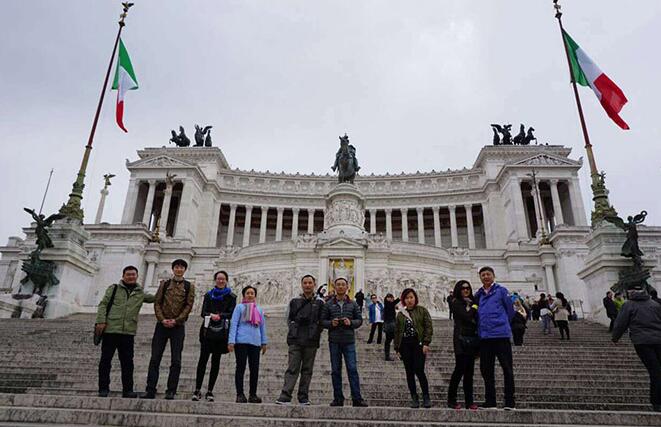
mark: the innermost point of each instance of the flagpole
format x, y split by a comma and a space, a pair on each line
73, 208
602, 206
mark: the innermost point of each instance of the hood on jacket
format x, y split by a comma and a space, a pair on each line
638, 295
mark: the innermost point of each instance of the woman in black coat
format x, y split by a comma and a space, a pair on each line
217, 310
466, 344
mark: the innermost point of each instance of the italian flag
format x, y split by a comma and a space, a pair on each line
124, 80
586, 73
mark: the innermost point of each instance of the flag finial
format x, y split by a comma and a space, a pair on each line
557, 8
125, 11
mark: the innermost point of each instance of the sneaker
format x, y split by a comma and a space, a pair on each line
129, 395
337, 403
241, 398
388, 359
415, 402
488, 407
148, 395
104, 393
209, 396
509, 408
282, 401
360, 403
426, 401
473, 407
453, 405
304, 402
197, 396
254, 399
169, 395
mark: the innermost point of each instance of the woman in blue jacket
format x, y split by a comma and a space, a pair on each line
247, 337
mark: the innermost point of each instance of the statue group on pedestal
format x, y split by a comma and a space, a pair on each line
522, 138
636, 274
346, 161
202, 137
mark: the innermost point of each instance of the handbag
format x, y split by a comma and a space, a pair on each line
469, 344
98, 338
217, 332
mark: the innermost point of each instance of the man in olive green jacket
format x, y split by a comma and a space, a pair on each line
117, 322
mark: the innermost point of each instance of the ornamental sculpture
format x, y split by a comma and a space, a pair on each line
522, 138
635, 275
346, 161
202, 137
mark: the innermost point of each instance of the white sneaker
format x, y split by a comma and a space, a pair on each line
509, 408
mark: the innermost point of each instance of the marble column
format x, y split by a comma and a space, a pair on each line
577, 202
389, 224
215, 223
486, 224
182, 229
421, 225
278, 224
311, 221
557, 207
149, 276
437, 226
102, 204
230, 228
518, 210
469, 226
165, 209
246, 226
131, 199
550, 279
405, 225
453, 226
262, 224
538, 219
146, 216
294, 223
372, 221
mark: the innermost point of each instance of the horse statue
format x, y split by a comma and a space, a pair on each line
529, 136
345, 161
199, 135
520, 137
180, 140
505, 130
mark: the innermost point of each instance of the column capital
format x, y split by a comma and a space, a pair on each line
554, 181
233, 206
311, 211
295, 211
420, 210
151, 182
452, 208
404, 211
248, 208
468, 207
372, 211
265, 209
280, 210
388, 211
436, 209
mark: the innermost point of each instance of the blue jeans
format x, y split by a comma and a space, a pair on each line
546, 323
348, 351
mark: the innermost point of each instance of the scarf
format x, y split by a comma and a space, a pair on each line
251, 314
217, 294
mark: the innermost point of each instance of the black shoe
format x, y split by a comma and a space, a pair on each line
487, 406
415, 402
304, 402
369, 342
209, 396
360, 403
426, 401
656, 408
148, 395
129, 395
104, 393
197, 396
337, 403
254, 399
241, 398
169, 395
388, 359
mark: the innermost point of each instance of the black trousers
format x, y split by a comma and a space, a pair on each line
374, 328
490, 349
390, 336
206, 351
610, 326
650, 355
124, 346
246, 353
464, 366
161, 337
517, 335
563, 326
414, 364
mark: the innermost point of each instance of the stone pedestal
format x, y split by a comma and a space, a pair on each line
345, 214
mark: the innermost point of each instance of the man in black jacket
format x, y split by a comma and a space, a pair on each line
341, 316
303, 340
611, 309
642, 317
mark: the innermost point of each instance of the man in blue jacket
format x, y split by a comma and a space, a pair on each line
495, 311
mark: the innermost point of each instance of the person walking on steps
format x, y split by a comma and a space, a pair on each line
611, 309
375, 319
303, 341
495, 312
545, 314
342, 316
247, 338
217, 309
389, 314
116, 325
413, 335
642, 316
561, 311
518, 323
174, 302
466, 344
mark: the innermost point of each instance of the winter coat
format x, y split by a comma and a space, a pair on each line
609, 305
224, 308
495, 311
341, 334
303, 321
389, 310
123, 315
421, 322
642, 317
372, 312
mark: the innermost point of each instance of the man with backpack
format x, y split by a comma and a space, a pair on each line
116, 325
174, 302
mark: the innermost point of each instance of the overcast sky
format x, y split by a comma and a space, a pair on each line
415, 85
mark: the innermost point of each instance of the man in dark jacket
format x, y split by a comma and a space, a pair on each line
642, 317
341, 316
611, 309
495, 312
174, 302
303, 341
117, 323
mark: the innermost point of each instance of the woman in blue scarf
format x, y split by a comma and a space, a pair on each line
217, 310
